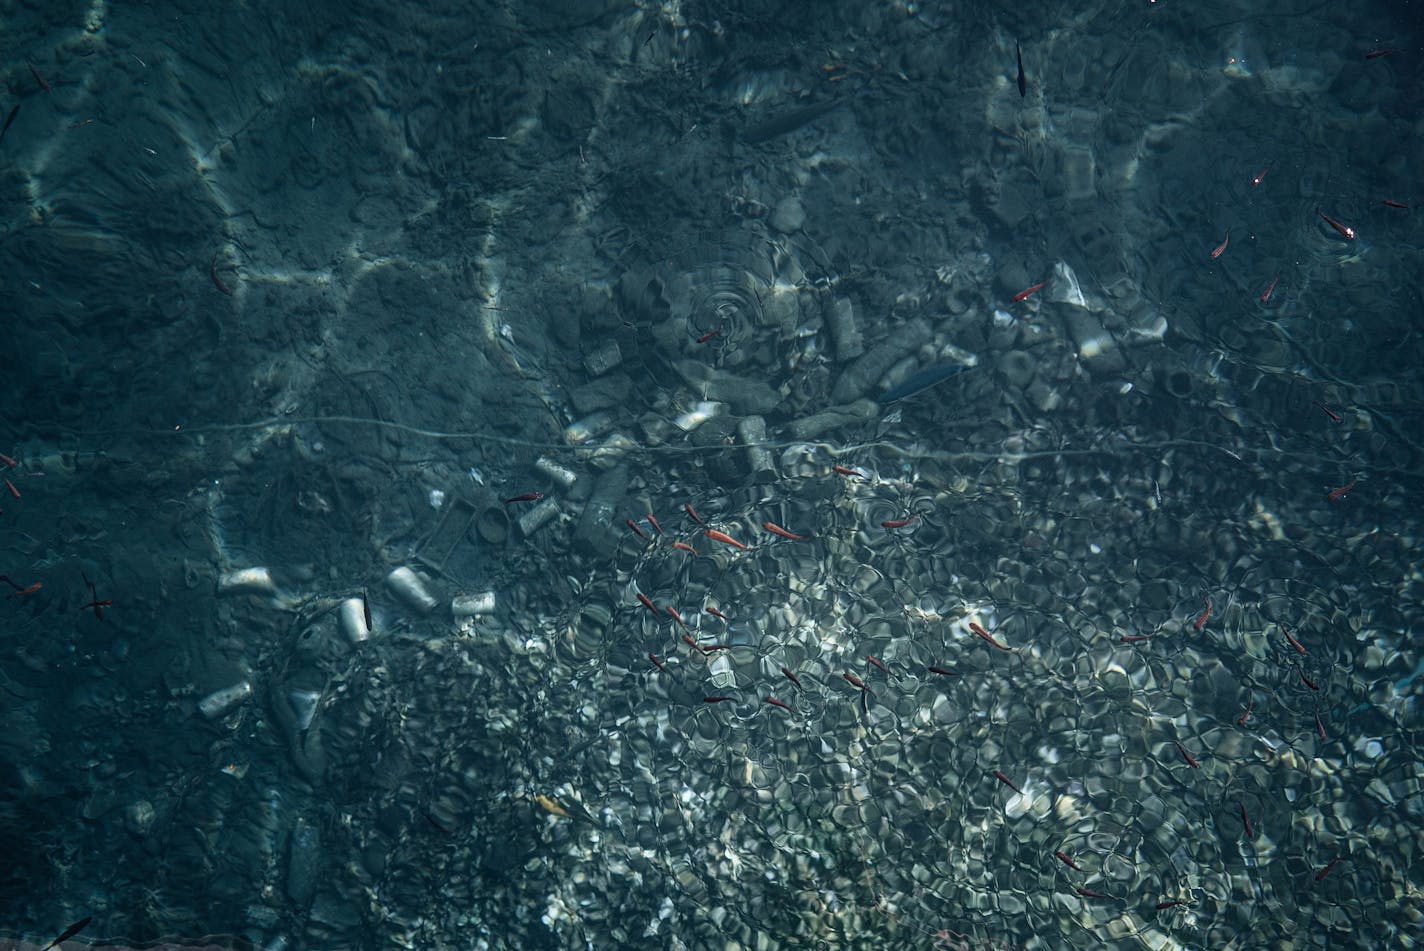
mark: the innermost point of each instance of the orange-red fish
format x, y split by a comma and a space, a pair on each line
1216, 253
1347, 233
987, 636
776, 529
1206, 613
724, 538
1007, 782
1023, 294
1241, 720
1335, 495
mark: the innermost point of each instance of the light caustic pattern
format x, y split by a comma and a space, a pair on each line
865, 813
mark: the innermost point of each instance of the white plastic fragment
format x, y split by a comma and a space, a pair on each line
468, 605
406, 585
352, 618
221, 701
246, 581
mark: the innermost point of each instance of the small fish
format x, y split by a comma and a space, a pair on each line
647, 602
921, 380
1134, 638
779, 703
853, 680
1347, 233
943, 672
1306, 680
1164, 905
776, 529
526, 497
11, 486
1245, 820
875, 661
38, 78
1060, 856
1206, 613
716, 699
687, 639
633, 526
672, 612
708, 336
657, 663
1326, 870
724, 538
987, 636
1007, 782
1335, 495
218, 282
683, 546
552, 807
792, 677
1376, 54
1334, 416
444, 829
789, 121
1089, 893
1023, 294
653, 522
687, 507
716, 647
68, 933
8, 461
1186, 756
715, 613
1261, 174
9, 119
843, 470
898, 522
1216, 252
1391, 203
1266, 294
98, 605
1319, 727
1023, 83
1241, 720
1299, 647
